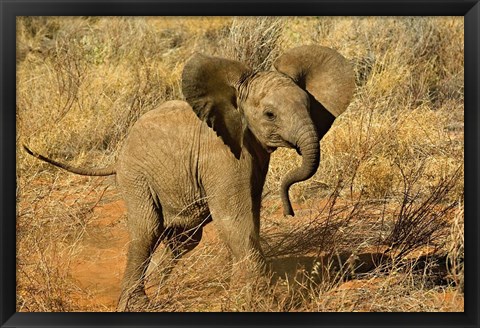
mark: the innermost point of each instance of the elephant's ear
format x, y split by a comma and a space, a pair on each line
326, 75
210, 86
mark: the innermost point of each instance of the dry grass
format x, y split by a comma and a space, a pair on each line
378, 228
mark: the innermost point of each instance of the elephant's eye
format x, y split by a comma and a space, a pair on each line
269, 115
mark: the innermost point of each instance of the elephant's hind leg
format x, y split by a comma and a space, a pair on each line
145, 225
178, 243
181, 241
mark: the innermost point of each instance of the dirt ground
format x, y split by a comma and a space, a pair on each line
99, 267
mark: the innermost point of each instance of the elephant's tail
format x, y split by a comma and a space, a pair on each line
109, 170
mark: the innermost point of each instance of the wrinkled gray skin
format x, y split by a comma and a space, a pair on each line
205, 159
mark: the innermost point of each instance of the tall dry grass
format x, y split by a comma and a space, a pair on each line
388, 191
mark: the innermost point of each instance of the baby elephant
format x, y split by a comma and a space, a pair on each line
205, 159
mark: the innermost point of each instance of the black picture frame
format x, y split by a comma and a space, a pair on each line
11, 9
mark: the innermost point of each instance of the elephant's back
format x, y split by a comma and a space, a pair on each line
162, 132
162, 151
172, 120
174, 111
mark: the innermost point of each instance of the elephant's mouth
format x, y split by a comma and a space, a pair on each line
277, 141
286, 144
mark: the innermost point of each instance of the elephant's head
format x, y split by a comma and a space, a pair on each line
292, 106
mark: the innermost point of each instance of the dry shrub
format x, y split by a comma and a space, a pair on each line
400, 289
53, 213
455, 245
254, 41
421, 220
369, 154
376, 176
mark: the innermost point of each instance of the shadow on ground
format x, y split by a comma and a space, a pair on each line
348, 266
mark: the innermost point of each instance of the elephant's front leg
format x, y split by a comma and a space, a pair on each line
145, 227
239, 227
237, 218
233, 189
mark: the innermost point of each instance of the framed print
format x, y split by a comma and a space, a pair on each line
239, 164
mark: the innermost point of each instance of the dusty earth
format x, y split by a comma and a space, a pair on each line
99, 266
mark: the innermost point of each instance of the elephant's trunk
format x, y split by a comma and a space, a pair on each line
309, 146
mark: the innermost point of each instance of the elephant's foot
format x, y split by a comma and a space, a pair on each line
135, 302
253, 295
251, 285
